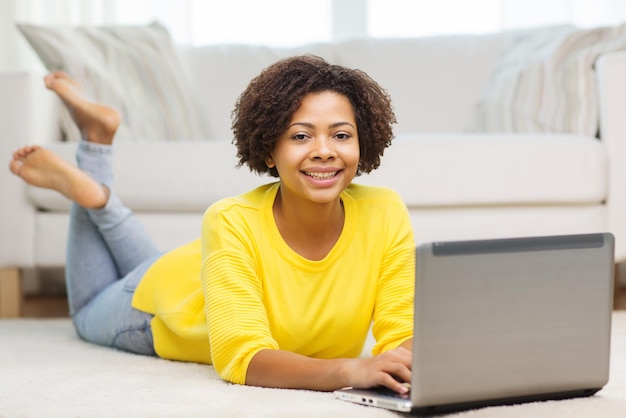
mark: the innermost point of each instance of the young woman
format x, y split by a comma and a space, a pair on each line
285, 281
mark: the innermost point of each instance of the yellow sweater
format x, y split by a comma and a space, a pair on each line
242, 289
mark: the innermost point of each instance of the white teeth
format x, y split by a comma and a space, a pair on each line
321, 176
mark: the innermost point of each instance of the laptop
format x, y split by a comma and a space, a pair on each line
505, 321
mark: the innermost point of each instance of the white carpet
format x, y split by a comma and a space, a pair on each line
46, 371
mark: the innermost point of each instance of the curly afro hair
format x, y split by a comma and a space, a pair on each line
264, 110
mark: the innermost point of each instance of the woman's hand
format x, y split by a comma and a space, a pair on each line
391, 369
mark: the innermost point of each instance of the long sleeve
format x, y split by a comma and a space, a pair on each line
393, 314
236, 318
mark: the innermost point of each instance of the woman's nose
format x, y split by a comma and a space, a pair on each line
323, 149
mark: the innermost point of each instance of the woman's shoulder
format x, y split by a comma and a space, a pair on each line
378, 211
251, 200
364, 193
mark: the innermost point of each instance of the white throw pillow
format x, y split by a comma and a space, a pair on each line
545, 82
135, 69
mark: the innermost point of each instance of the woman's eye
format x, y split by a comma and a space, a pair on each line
299, 137
342, 136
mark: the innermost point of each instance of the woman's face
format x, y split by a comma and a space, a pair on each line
318, 155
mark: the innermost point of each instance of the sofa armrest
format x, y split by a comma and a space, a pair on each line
27, 115
611, 71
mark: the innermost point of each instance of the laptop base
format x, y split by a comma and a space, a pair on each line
385, 398
464, 406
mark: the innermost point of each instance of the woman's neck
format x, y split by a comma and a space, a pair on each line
310, 229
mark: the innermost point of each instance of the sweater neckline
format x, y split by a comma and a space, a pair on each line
287, 252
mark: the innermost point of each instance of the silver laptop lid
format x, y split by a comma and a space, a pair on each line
512, 317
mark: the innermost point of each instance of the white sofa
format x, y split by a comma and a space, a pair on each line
457, 185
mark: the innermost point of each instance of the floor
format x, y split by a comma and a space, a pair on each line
56, 306
44, 307
620, 299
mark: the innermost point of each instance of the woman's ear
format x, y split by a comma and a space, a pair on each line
269, 161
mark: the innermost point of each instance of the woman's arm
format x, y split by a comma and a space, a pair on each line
408, 345
283, 369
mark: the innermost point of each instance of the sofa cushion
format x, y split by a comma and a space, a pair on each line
428, 170
545, 81
434, 82
222, 72
135, 69
464, 170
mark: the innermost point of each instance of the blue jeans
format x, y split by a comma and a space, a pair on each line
107, 255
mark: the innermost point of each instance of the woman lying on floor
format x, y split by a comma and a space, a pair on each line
283, 284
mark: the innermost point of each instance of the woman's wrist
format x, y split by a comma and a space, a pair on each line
346, 369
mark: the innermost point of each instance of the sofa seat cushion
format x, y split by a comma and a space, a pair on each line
451, 170
180, 176
428, 170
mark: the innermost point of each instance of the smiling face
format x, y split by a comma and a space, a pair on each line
318, 155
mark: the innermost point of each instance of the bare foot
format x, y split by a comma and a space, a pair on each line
96, 122
40, 167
